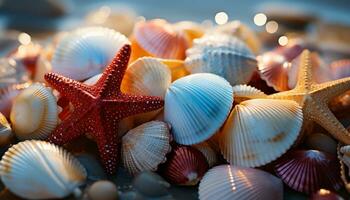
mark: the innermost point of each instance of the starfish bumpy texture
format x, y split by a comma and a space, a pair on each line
99, 108
314, 99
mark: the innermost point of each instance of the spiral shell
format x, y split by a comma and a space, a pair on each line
85, 52
39, 170
34, 113
222, 55
145, 147
227, 182
196, 106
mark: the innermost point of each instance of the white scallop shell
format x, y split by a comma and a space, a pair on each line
86, 52
34, 113
208, 153
226, 182
244, 92
222, 55
145, 147
39, 170
196, 106
259, 131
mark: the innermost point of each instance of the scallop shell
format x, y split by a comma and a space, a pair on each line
243, 32
259, 131
222, 55
145, 147
323, 194
85, 52
208, 152
12, 72
245, 92
185, 166
227, 182
39, 170
309, 171
34, 113
321, 142
7, 95
274, 66
196, 106
5, 131
340, 69
158, 38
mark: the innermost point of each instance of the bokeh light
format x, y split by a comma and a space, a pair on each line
271, 27
221, 18
24, 38
260, 19
283, 40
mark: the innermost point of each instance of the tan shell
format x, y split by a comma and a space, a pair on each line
34, 113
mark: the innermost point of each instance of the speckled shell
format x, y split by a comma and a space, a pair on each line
227, 182
185, 166
321, 142
245, 92
258, 131
160, 39
209, 153
222, 55
145, 147
196, 106
39, 170
309, 171
5, 131
34, 113
243, 32
85, 52
340, 69
12, 72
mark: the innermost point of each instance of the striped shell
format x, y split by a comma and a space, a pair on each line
185, 166
222, 55
259, 131
196, 106
39, 170
246, 92
85, 52
145, 147
309, 171
227, 182
34, 113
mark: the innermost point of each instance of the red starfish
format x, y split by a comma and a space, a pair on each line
99, 108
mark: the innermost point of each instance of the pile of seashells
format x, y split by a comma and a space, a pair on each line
219, 127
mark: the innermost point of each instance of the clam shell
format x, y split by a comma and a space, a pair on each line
209, 153
340, 68
34, 113
185, 166
12, 72
196, 106
243, 32
5, 131
222, 55
85, 52
323, 194
245, 92
309, 171
39, 170
227, 182
159, 39
259, 131
321, 142
145, 147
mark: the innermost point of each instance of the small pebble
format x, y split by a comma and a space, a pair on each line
103, 190
151, 184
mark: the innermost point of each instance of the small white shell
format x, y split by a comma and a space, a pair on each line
34, 113
245, 92
222, 55
259, 131
208, 153
40, 170
145, 147
85, 52
196, 106
226, 182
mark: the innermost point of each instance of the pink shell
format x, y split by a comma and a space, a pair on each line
324, 194
274, 66
308, 171
185, 166
340, 69
160, 39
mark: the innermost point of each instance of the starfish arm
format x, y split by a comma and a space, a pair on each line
305, 76
73, 90
320, 114
331, 89
134, 104
112, 77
